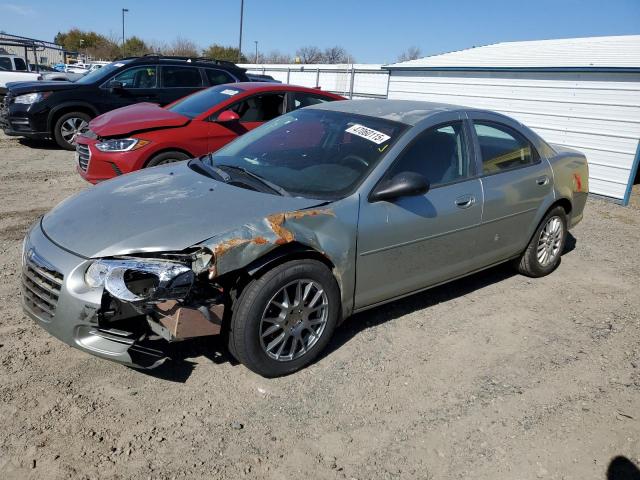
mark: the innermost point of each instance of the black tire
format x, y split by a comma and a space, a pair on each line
245, 327
59, 135
529, 264
167, 157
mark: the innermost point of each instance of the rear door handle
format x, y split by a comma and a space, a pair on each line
543, 180
465, 201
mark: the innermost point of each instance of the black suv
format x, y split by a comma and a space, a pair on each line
61, 110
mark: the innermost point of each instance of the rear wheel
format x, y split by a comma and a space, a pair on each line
544, 251
167, 157
285, 318
68, 127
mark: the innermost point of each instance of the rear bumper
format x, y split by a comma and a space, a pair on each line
55, 296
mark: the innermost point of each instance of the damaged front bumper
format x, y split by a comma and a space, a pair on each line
55, 294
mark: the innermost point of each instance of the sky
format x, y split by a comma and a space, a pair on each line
373, 31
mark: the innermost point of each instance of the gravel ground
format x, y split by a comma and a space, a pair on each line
494, 376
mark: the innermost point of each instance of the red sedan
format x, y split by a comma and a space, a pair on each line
146, 135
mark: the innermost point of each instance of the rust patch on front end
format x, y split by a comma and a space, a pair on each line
241, 246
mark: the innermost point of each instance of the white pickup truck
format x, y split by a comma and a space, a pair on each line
14, 69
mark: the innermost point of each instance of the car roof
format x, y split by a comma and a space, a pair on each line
405, 111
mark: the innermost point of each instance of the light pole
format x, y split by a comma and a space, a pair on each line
240, 41
123, 12
256, 42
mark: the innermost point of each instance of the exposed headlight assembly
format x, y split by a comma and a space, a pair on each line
121, 144
30, 98
137, 280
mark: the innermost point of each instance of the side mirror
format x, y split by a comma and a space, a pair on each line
404, 184
228, 116
115, 86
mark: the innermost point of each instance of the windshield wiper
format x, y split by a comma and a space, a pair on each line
210, 171
264, 181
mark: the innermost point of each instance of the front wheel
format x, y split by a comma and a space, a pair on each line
543, 253
167, 157
284, 319
68, 127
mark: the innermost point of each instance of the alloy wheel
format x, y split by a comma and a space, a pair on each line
294, 319
549, 241
72, 127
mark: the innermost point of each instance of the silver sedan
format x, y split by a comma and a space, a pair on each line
275, 239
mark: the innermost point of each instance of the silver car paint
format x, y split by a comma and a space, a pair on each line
171, 208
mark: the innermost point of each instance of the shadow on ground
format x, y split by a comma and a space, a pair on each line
179, 367
621, 468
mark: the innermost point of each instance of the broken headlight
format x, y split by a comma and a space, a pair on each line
135, 280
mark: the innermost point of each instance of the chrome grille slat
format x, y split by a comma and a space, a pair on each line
40, 306
84, 155
47, 300
41, 286
40, 283
53, 277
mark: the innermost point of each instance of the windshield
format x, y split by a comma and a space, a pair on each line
200, 102
101, 73
312, 153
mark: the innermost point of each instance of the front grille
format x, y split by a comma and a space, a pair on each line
4, 112
84, 155
41, 285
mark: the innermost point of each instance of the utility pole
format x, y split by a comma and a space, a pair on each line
240, 41
123, 12
256, 42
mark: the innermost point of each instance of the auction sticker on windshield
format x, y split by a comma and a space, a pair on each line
368, 133
228, 91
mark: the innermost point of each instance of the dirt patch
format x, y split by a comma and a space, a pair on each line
494, 376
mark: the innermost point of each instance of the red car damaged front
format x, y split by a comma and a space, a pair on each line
145, 134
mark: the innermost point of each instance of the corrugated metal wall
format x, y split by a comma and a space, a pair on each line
357, 81
596, 113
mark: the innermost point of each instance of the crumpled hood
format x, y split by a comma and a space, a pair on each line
167, 208
132, 118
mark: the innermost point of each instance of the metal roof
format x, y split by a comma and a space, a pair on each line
405, 111
590, 53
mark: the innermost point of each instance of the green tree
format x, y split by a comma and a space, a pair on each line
134, 47
220, 52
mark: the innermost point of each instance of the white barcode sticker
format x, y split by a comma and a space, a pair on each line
228, 91
368, 133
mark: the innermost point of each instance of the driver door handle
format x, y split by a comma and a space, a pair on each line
465, 201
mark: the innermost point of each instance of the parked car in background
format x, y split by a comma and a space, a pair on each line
274, 239
62, 76
146, 135
256, 77
14, 69
62, 110
41, 68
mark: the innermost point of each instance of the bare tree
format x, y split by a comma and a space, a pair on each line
309, 55
410, 53
183, 47
336, 54
275, 56
157, 46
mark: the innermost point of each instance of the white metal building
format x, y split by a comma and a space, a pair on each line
580, 92
360, 80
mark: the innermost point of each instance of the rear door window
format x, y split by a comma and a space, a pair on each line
218, 77
260, 108
301, 100
6, 63
180, 77
503, 148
